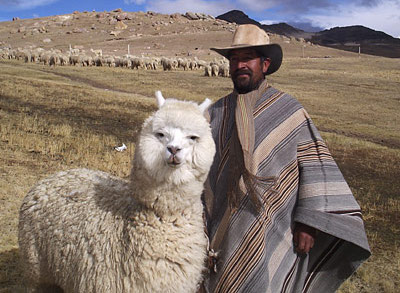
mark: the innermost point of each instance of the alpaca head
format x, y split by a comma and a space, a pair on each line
175, 144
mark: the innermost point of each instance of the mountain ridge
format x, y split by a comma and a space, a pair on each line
349, 38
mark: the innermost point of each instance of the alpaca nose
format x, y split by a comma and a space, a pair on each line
173, 149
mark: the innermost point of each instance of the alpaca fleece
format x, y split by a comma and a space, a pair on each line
88, 231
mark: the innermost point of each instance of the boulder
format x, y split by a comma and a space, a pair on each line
122, 16
101, 15
191, 16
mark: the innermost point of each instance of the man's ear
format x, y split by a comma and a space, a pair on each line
265, 65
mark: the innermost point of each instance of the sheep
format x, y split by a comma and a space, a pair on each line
214, 70
45, 58
137, 63
192, 65
88, 231
109, 61
207, 70
98, 61
64, 59
86, 60
167, 64
75, 60
54, 60
28, 57
183, 63
224, 70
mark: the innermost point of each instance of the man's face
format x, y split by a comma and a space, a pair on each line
246, 69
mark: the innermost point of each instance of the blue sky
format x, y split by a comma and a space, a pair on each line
381, 15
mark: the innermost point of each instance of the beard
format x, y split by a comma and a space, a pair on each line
244, 81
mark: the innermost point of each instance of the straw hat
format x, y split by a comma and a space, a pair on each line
251, 36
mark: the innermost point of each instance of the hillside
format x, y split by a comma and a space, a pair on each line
349, 38
343, 38
239, 17
144, 33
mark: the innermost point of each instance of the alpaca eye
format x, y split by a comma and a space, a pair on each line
159, 134
193, 137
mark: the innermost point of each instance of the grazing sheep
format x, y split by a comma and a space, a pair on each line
167, 64
207, 70
87, 231
214, 70
45, 58
28, 57
192, 65
137, 63
201, 63
54, 60
64, 59
109, 61
98, 61
86, 60
224, 70
183, 63
75, 60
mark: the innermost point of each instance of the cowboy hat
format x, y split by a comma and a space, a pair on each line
251, 36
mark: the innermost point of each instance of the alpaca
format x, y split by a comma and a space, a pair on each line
88, 231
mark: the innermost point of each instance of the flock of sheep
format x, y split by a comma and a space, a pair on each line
75, 57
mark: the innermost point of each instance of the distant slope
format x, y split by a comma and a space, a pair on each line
282, 29
344, 38
350, 38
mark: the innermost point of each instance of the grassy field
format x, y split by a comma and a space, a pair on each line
65, 117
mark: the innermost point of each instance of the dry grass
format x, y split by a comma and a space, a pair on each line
61, 118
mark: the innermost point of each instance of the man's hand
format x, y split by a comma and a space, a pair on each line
303, 237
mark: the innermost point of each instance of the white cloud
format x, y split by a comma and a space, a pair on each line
137, 2
269, 22
214, 8
382, 17
256, 5
24, 4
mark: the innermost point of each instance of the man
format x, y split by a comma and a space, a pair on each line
280, 216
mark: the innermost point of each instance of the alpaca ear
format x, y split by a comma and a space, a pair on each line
203, 106
160, 99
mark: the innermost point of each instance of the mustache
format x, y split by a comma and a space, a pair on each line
242, 71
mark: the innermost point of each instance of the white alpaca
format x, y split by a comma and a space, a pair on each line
87, 231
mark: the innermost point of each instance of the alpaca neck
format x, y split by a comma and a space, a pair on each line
164, 197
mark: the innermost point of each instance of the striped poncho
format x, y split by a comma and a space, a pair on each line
270, 136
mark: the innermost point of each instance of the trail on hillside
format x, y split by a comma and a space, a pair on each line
87, 81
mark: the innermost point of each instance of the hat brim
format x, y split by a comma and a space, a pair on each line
271, 51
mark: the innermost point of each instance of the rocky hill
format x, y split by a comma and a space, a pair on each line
283, 29
239, 17
120, 32
352, 37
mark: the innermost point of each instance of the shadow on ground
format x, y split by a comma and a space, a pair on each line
10, 272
